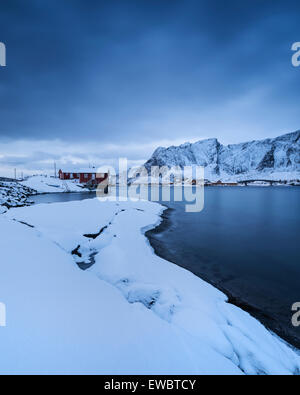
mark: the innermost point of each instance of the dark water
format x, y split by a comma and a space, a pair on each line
62, 197
245, 242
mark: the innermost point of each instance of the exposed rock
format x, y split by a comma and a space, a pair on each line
14, 194
277, 158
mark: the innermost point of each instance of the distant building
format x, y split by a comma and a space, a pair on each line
84, 176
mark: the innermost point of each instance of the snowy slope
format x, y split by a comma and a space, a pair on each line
131, 313
43, 184
271, 159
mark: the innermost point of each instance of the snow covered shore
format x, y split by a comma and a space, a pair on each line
130, 313
13, 194
43, 184
17, 194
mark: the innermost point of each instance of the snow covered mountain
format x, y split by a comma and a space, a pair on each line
271, 159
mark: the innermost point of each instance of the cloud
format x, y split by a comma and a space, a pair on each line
95, 80
39, 156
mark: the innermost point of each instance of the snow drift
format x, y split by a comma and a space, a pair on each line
44, 184
130, 313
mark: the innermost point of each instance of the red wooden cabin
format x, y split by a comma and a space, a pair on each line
85, 176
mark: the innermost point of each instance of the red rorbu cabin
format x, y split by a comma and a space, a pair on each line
86, 176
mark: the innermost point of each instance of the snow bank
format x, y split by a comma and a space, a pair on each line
130, 313
44, 184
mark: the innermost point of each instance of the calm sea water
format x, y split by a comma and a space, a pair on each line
245, 242
62, 197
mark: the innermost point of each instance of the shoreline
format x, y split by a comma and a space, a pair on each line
233, 298
197, 329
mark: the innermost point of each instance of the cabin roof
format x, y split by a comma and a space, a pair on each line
86, 171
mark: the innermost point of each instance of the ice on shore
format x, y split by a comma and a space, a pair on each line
130, 313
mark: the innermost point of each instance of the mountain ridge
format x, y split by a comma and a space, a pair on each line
276, 158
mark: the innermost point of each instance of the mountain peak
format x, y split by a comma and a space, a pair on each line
278, 157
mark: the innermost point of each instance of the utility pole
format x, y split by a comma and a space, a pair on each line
54, 169
15, 174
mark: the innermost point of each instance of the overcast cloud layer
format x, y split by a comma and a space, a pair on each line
89, 81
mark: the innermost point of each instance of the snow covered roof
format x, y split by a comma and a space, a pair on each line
86, 171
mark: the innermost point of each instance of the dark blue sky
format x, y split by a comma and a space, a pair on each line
127, 75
